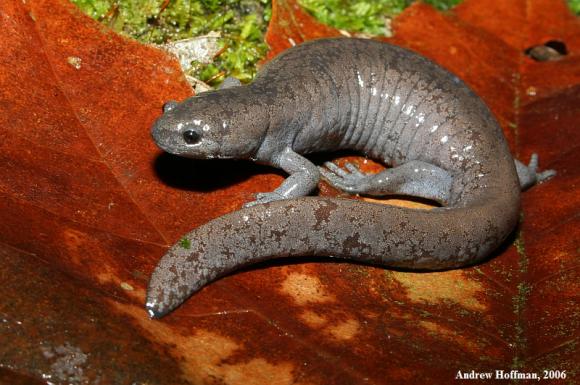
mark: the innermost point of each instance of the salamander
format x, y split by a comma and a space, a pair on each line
437, 137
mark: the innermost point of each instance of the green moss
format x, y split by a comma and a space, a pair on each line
443, 5
94, 8
241, 24
366, 16
185, 243
369, 16
574, 6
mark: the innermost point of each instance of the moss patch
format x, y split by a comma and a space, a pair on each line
241, 24
185, 243
574, 6
365, 16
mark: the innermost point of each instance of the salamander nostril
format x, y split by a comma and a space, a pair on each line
168, 106
191, 137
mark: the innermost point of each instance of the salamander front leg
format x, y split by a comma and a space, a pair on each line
414, 178
303, 179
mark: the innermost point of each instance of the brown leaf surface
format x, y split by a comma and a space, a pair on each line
89, 205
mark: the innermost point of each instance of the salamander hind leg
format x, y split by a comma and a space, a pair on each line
414, 178
529, 175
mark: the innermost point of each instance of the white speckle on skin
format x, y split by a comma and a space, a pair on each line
361, 83
397, 100
468, 148
444, 139
291, 41
197, 122
434, 128
205, 128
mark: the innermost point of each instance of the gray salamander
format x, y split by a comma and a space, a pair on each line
439, 139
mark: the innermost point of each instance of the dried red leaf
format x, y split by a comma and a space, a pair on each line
89, 204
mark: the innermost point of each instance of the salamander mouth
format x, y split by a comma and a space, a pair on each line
166, 139
156, 133
160, 139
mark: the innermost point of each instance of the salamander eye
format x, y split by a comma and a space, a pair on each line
191, 137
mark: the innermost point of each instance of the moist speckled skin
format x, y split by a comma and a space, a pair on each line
395, 106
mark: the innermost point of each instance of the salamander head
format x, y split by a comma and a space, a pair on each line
219, 124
